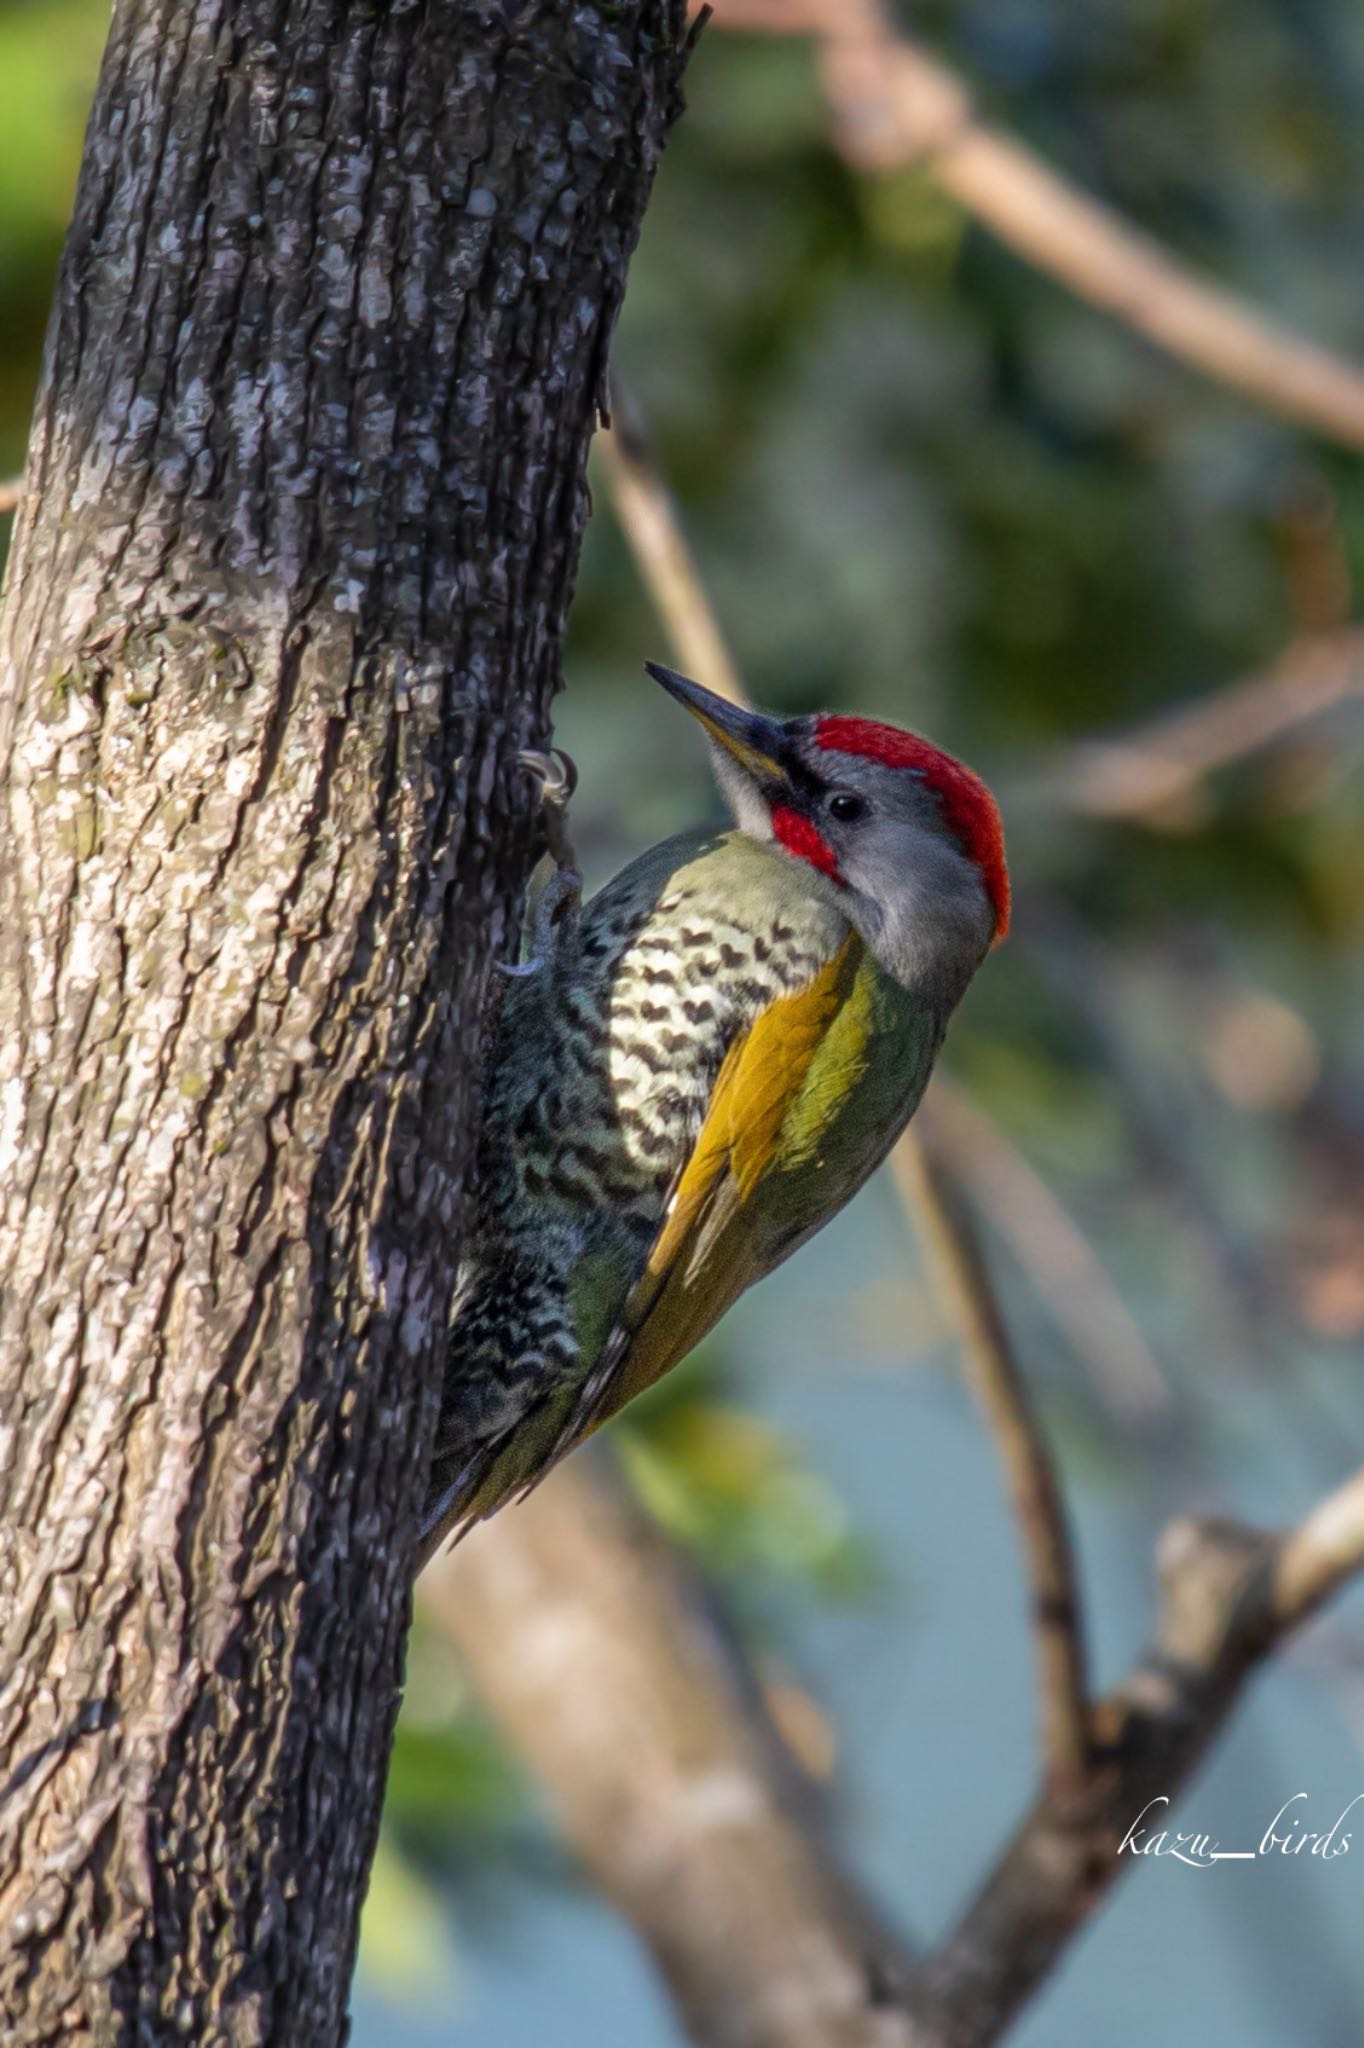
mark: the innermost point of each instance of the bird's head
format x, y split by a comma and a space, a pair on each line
910, 837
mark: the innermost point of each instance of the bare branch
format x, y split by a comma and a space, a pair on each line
648, 518
894, 105
1314, 1560
1230, 1597
958, 1265
611, 1673
1068, 1272
1160, 765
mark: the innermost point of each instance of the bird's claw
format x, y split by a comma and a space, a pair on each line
554, 922
557, 773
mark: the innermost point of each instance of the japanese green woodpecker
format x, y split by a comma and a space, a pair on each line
706, 1069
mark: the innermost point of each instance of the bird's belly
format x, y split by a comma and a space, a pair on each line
674, 1005
611, 1117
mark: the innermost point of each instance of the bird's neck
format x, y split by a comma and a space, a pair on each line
929, 932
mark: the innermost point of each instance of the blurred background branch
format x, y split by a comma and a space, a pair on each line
1156, 768
997, 1383
1070, 1278
648, 517
608, 1666
892, 104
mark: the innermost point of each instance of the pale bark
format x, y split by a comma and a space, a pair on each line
611, 1672
303, 506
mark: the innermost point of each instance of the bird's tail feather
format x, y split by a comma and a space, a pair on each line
459, 1494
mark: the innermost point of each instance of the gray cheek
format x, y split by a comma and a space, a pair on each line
922, 910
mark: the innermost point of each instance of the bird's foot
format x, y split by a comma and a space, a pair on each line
554, 918
553, 925
557, 774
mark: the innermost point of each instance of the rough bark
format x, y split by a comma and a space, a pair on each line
304, 500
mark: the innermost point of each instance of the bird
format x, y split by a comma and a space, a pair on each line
718, 1051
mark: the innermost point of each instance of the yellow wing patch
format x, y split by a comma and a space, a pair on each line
706, 1254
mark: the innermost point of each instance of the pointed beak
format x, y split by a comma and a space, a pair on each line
758, 744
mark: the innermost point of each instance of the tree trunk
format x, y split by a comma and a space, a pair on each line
305, 495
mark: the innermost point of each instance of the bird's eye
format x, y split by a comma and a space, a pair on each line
846, 807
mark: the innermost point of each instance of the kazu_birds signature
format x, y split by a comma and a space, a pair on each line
715, 1057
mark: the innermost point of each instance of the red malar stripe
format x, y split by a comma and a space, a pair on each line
799, 836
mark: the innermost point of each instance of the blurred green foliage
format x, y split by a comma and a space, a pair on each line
724, 1482
49, 58
925, 482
